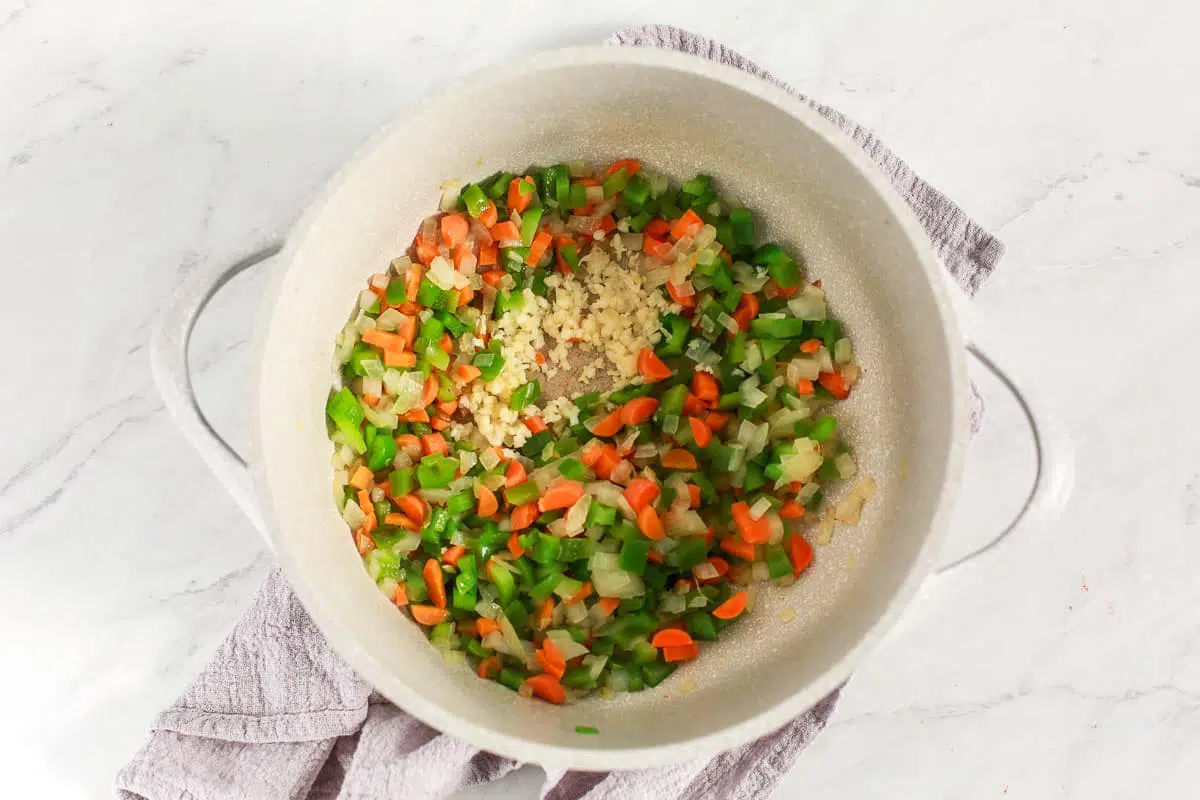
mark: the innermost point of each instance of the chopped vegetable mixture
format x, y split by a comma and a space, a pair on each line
588, 543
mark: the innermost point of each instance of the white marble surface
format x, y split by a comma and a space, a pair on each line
140, 138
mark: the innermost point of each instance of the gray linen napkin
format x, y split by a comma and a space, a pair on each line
277, 714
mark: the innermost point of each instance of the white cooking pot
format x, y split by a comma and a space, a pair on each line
812, 188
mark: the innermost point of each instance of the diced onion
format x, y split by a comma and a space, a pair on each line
569, 647
845, 465
622, 473
595, 665
576, 613
353, 515
512, 642
824, 359
577, 515
843, 353
761, 506
373, 386
728, 323
604, 562
450, 192
699, 601
685, 523
670, 422
802, 369
775, 528
809, 304
760, 572
753, 397
801, 463
389, 320
672, 604
825, 528
705, 571
366, 299
605, 492
594, 194
632, 241
617, 583
380, 419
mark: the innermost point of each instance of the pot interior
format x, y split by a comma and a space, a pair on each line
680, 119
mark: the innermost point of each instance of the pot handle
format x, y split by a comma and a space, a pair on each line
1054, 454
169, 343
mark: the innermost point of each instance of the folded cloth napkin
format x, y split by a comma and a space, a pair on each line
277, 714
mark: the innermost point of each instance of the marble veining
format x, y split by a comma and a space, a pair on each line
140, 139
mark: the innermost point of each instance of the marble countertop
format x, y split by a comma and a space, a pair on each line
139, 139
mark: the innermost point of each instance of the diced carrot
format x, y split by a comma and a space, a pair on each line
484, 626
799, 551
687, 225
492, 277
804, 386
609, 426
655, 557
426, 252
608, 461
514, 475
737, 546
489, 215
641, 492
656, 247
432, 573
791, 510
638, 410
395, 358
453, 554
429, 615
650, 524
439, 423
545, 614
538, 248
447, 407
383, 339
464, 258
506, 231
488, 255
514, 546
631, 167
835, 384
429, 391
679, 458
536, 424
362, 478
590, 453
754, 531
706, 387
488, 504
416, 415
658, 228
517, 200
678, 296
746, 311
811, 346
363, 541
701, 433
671, 637
561, 494
400, 597
455, 229
735, 605
551, 658
608, 605
651, 367
694, 494
434, 443
584, 593
407, 330
547, 687
684, 653
489, 666
446, 344
465, 373
412, 506
693, 406
523, 516
716, 420
607, 224
401, 521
